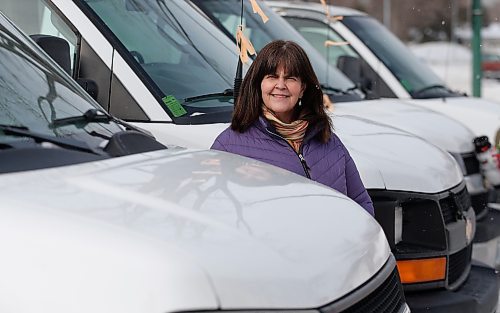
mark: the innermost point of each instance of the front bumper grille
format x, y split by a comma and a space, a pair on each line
434, 225
459, 264
383, 293
471, 163
388, 298
480, 203
453, 206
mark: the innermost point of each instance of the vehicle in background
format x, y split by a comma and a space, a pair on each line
436, 128
162, 230
184, 95
490, 65
226, 14
383, 66
365, 60
432, 126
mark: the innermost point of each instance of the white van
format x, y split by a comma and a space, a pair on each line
146, 59
97, 218
385, 66
377, 60
436, 128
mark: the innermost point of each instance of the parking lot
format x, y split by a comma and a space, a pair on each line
183, 156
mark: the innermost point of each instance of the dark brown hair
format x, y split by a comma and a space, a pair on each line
295, 62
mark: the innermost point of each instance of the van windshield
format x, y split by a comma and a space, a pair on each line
416, 77
226, 15
171, 43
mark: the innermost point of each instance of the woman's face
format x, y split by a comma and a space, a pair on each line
281, 93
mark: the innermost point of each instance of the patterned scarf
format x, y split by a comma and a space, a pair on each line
293, 132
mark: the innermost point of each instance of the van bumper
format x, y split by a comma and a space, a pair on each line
488, 227
486, 248
479, 294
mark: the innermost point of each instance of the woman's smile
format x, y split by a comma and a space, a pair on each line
281, 93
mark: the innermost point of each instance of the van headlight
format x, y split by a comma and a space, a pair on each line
415, 229
398, 224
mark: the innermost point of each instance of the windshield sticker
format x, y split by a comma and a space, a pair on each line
174, 106
406, 85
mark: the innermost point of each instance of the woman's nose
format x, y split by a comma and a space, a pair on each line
281, 84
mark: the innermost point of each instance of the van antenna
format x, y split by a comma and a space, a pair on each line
327, 9
238, 79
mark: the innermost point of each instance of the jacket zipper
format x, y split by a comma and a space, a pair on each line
303, 162
305, 167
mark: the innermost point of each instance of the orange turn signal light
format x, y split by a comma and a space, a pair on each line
422, 270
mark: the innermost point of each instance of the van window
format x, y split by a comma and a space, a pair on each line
317, 33
154, 36
48, 97
36, 17
417, 78
226, 13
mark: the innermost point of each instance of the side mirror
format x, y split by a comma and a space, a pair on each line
90, 87
131, 142
352, 67
57, 48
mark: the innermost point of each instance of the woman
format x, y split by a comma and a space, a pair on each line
279, 118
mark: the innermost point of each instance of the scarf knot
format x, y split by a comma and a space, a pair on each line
293, 132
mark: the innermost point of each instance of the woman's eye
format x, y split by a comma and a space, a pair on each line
294, 79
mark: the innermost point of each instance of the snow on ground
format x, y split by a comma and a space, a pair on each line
453, 63
488, 33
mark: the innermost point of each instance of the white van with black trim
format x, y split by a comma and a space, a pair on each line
436, 128
163, 66
384, 67
375, 58
99, 217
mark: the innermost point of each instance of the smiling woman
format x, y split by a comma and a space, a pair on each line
279, 117
281, 93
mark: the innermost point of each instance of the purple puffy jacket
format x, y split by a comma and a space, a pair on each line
329, 164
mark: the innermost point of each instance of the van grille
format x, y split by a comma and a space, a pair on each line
471, 163
387, 298
458, 263
454, 205
480, 202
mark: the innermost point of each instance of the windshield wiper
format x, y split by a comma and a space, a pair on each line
93, 116
427, 88
23, 131
90, 116
338, 90
225, 93
19, 127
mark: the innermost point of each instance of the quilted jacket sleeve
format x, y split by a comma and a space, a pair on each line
219, 142
355, 188
217, 145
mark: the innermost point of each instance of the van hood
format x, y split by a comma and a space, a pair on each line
480, 115
386, 157
178, 230
432, 126
404, 162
